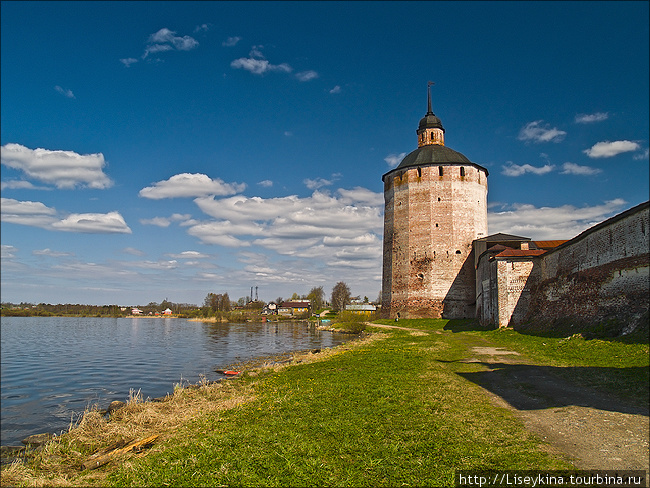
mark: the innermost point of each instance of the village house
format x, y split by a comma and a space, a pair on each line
295, 307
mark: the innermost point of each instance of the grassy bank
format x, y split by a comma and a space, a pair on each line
386, 411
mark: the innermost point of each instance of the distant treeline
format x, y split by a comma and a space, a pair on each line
47, 309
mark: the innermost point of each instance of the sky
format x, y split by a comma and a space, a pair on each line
166, 150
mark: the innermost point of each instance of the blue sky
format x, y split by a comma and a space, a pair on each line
166, 150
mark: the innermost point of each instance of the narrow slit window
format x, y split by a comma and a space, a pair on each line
462, 171
439, 170
419, 172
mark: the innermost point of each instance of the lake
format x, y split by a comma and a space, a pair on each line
53, 368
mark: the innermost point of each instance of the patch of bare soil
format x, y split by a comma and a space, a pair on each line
594, 430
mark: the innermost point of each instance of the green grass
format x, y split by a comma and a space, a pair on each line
614, 365
387, 413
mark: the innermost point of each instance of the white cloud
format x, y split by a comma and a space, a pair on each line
317, 183
52, 254
231, 41
189, 255
257, 64
201, 28
133, 251
394, 159
165, 221
65, 92
167, 40
20, 185
93, 223
533, 131
511, 169
644, 155
336, 89
545, 223
190, 185
8, 252
607, 149
590, 118
127, 62
64, 169
266, 183
576, 169
36, 214
307, 75
288, 133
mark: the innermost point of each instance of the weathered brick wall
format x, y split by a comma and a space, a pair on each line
430, 222
600, 274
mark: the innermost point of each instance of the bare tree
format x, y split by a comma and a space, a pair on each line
340, 296
317, 297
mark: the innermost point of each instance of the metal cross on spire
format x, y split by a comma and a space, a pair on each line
429, 97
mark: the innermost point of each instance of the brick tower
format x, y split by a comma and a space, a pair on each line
435, 207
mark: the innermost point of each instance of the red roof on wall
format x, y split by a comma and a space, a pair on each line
515, 253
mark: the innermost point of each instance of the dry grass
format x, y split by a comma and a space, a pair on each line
60, 461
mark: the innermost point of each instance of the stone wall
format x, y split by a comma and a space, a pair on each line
600, 275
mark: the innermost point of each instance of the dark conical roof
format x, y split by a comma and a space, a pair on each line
434, 154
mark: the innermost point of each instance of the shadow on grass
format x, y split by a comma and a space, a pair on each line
529, 387
466, 325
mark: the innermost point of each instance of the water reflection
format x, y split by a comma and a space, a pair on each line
54, 367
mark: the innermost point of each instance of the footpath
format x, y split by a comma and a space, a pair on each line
594, 430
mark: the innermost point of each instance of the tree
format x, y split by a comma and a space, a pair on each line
317, 298
340, 296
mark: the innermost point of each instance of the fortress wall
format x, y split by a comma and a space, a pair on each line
600, 274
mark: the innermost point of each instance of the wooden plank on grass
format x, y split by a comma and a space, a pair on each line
100, 459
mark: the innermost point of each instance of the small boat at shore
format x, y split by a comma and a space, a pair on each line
227, 372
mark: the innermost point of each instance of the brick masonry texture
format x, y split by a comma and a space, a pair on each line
599, 275
430, 222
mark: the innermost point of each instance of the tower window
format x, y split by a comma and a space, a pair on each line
438, 198
439, 170
419, 172
457, 252
462, 171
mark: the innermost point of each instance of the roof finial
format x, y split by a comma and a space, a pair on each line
429, 97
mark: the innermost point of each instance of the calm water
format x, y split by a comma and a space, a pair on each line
55, 367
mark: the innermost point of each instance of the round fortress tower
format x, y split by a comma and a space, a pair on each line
435, 207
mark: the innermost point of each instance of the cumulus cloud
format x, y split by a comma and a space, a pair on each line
165, 221
336, 89
20, 185
64, 169
127, 62
36, 214
266, 183
511, 169
607, 149
545, 223
394, 159
307, 75
576, 169
231, 41
317, 183
93, 223
8, 252
167, 40
535, 132
190, 185
590, 118
259, 66
65, 92
289, 224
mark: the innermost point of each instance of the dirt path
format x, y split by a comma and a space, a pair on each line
595, 431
